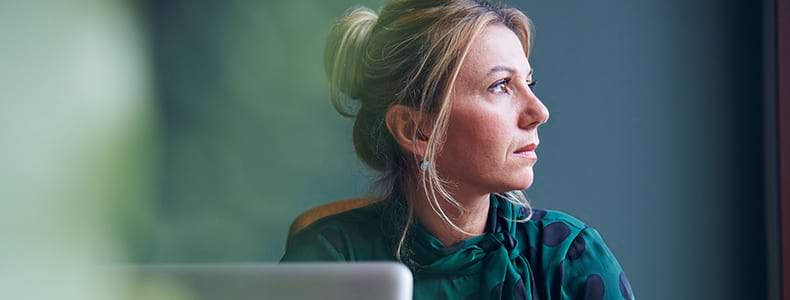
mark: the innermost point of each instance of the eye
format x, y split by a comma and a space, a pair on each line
500, 86
532, 84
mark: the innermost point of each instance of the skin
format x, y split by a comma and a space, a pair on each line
494, 113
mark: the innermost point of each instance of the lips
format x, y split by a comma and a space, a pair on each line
527, 148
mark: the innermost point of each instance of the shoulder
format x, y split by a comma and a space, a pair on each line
550, 216
350, 219
339, 237
553, 228
575, 254
558, 233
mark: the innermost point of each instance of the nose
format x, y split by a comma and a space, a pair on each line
534, 112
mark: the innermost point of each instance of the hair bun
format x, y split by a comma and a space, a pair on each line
344, 58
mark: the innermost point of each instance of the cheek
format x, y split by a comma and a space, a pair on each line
477, 139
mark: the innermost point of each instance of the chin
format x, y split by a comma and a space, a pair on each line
520, 182
525, 185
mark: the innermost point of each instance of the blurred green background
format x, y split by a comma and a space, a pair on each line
249, 137
195, 131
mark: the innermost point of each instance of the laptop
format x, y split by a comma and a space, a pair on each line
325, 281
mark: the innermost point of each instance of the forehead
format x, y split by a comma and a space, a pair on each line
495, 46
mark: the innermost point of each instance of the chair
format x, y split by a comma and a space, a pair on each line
318, 212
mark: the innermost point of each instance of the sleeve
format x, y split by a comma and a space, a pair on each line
309, 245
590, 270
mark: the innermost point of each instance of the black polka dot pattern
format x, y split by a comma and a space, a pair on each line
538, 214
625, 287
593, 289
577, 248
555, 233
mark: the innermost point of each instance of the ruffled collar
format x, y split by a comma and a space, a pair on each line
467, 256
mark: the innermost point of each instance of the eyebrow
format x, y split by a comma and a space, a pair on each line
500, 68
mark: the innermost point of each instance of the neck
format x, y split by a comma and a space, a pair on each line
472, 218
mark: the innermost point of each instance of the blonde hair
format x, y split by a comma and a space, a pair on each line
409, 54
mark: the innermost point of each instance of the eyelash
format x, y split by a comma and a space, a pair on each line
506, 82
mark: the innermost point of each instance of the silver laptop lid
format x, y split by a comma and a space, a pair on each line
325, 281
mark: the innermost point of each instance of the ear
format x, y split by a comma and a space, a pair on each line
402, 123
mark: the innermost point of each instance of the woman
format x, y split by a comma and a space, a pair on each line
446, 113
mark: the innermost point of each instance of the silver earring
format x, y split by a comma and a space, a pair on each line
424, 165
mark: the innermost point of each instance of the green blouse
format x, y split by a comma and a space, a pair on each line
552, 256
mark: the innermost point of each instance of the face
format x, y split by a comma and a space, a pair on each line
494, 117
